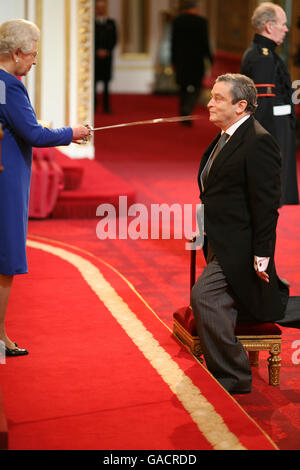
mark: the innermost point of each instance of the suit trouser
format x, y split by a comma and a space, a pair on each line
105, 97
215, 313
188, 98
286, 139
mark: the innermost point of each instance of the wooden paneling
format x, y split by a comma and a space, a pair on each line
234, 30
135, 26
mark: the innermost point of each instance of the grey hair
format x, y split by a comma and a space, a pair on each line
266, 11
242, 88
18, 34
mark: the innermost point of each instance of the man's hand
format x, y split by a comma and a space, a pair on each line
263, 275
102, 53
260, 266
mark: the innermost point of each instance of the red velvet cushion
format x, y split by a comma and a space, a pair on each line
185, 318
256, 329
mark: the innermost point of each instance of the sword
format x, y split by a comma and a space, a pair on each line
138, 123
150, 121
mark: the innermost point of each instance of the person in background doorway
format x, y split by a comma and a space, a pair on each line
189, 49
106, 37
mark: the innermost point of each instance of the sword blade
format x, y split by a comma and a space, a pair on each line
150, 121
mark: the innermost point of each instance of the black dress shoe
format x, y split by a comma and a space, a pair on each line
15, 351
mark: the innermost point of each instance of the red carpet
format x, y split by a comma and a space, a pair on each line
91, 387
3, 425
159, 270
165, 171
64, 320
87, 184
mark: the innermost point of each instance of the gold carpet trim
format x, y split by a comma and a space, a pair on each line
202, 412
69, 246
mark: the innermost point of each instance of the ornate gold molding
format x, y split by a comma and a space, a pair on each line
85, 56
67, 60
137, 57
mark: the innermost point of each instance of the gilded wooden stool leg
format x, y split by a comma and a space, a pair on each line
197, 351
274, 365
253, 358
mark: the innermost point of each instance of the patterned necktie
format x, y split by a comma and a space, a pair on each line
222, 141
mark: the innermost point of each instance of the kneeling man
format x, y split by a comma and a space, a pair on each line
239, 180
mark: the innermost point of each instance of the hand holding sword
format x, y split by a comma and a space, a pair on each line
80, 134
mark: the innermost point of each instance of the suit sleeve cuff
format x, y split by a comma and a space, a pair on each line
261, 263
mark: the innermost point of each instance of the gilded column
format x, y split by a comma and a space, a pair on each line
85, 59
67, 60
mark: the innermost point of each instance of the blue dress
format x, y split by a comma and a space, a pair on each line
21, 133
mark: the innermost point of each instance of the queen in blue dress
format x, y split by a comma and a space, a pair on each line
18, 52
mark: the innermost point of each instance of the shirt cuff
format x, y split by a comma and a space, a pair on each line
261, 263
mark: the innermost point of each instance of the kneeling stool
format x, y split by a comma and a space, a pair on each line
255, 337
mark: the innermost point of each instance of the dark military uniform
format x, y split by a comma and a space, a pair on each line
105, 38
189, 48
275, 107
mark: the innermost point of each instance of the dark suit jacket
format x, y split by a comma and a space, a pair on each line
105, 38
189, 47
261, 63
241, 198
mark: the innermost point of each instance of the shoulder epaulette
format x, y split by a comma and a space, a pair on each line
265, 51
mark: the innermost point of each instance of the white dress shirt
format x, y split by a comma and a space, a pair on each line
231, 130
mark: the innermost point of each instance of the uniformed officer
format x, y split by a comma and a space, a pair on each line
275, 107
